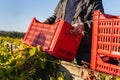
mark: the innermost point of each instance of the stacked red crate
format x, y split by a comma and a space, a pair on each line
105, 43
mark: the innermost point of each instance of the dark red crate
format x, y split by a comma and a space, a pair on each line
56, 39
105, 43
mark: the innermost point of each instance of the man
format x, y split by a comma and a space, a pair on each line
74, 11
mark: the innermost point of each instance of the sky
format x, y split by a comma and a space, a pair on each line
16, 15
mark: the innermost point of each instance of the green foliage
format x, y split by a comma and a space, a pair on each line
21, 62
24, 62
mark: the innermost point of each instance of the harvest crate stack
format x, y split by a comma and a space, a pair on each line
106, 43
56, 39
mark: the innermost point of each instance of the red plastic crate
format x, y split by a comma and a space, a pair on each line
56, 39
105, 43
40, 34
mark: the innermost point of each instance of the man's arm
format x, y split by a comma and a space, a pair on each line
87, 16
96, 6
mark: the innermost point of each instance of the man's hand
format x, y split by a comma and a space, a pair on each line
77, 28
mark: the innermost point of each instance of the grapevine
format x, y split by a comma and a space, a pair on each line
25, 62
